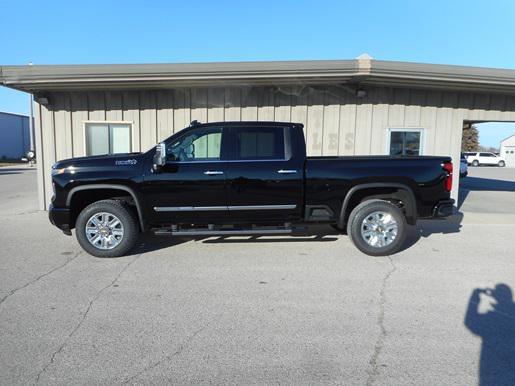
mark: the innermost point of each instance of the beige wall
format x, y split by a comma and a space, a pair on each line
336, 122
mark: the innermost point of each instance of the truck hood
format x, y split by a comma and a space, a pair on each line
100, 161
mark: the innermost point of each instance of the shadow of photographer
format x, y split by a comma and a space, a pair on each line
491, 316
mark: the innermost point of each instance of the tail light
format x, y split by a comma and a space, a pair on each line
447, 166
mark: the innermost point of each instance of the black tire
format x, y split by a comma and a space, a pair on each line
366, 208
127, 219
501, 164
475, 163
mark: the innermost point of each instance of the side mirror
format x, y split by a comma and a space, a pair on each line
159, 156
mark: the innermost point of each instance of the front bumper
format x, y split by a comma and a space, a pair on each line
444, 208
60, 217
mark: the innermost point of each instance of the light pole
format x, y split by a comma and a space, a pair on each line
31, 125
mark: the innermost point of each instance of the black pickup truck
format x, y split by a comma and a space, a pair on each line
244, 178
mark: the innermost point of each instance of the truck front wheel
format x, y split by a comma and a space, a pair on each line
106, 228
377, 227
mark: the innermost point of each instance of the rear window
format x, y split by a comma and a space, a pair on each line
256, 143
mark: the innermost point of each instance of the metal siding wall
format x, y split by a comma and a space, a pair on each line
40, 157
315, 121
131, 113
347, 125
79, 114
249, 104
336, 121
299, 106
114, 106
182, 113
379, 131
148, 120
199, 104
232, 104
63, 126
331, 126
14, 135
265, 104
428, 120
282, 104
48, 148
165, 114
216, 104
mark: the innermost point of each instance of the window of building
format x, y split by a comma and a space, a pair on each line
107, 138
198, 145
405, 142
256, 143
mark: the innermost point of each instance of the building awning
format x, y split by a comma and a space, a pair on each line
361, 71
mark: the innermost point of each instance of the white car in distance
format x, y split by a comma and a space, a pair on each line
484, 158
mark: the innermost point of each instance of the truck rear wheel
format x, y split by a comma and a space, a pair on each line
106, 229
377, 227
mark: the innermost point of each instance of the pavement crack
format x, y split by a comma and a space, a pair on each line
82, 319
168, 357
35, 280
374, 368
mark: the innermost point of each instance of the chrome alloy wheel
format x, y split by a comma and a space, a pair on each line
379, 229
104, 230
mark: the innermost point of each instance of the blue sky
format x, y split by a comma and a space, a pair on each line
472, 32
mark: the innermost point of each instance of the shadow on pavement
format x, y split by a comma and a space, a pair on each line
469, 184
491, 316
426, 228
313, 233
318, 233
268, 239
150, 242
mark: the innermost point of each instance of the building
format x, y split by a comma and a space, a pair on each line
360, 106
14, 135
507, 150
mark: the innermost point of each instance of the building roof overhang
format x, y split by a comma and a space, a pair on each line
361, 71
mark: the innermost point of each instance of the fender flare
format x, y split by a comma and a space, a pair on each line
411, 210
109, 186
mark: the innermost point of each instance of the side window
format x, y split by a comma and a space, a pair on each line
484, 154
405, 143
198, 145
259, 143
107, 138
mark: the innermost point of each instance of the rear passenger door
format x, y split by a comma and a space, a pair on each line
487, 158
264, 178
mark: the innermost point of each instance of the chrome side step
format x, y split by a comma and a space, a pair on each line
223, 232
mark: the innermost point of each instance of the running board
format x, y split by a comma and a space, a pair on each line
222, 232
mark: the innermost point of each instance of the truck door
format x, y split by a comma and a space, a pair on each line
191, 186
264, 176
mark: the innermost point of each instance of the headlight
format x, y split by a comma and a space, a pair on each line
55, 172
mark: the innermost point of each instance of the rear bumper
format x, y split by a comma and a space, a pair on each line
60, 217
444, 208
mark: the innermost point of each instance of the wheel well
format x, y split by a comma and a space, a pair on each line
83, 198
401, 197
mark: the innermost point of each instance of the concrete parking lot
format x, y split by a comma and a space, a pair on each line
305, 310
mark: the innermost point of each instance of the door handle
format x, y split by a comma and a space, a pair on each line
286, 171
213, 173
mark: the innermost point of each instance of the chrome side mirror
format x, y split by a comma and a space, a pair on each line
159, 156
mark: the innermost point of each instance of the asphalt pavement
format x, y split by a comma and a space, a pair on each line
240, 310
